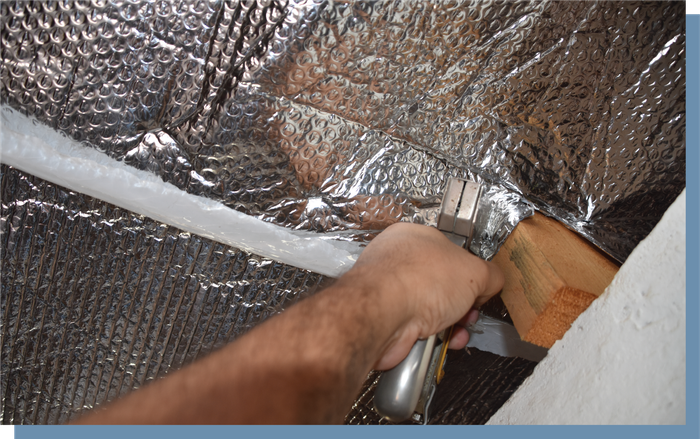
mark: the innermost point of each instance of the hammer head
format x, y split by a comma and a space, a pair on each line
458, 210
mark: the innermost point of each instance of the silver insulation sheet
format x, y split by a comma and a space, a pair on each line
344, 117
97, 301
335, 117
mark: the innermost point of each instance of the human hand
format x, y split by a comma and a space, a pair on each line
307, 364
425, 283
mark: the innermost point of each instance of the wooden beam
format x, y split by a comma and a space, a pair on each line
552, 276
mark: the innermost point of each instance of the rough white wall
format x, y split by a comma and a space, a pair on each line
623, 360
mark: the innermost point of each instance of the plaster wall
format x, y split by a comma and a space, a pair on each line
623, 360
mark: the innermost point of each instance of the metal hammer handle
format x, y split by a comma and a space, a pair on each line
399, 389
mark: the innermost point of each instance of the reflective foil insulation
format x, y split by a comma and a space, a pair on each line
97, 301
334, 117
344, 117
475, 386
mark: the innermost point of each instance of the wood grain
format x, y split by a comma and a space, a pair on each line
552, 276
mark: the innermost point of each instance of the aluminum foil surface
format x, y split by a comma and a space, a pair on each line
344, 117
97, 301
336, 117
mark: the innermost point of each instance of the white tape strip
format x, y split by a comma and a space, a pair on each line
41, 151
492, 335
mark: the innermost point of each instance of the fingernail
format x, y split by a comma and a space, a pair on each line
472, 317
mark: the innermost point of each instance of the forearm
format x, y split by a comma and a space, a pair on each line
307, 365
304, 366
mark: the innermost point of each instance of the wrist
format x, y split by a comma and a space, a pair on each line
383, 292
384, 307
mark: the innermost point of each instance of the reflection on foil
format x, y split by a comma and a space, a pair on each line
369, 107
97, 301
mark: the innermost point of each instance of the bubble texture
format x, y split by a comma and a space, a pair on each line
336, 117
98, 301
476, 384
344, 117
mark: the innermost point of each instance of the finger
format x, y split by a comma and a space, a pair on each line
469, 318
397, 351
494, 283
460, 338
460, 335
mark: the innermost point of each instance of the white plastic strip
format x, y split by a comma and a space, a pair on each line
492, 335
41, 151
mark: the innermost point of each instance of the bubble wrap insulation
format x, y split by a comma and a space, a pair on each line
97, 301
345, 117
340, 118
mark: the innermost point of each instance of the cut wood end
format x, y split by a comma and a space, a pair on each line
551, 324
551, 276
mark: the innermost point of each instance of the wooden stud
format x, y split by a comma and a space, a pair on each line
552, 275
